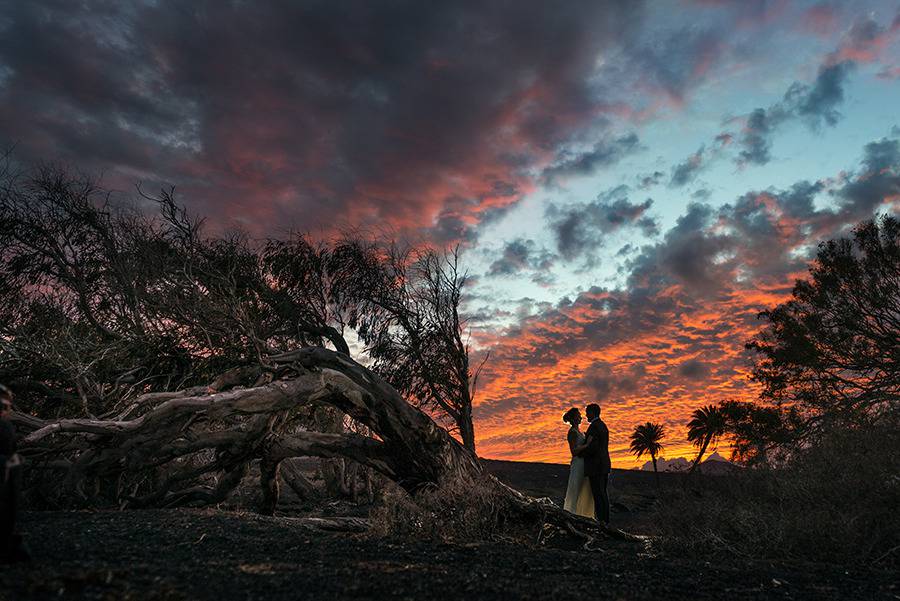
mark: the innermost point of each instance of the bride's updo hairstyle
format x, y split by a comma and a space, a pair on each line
571, 415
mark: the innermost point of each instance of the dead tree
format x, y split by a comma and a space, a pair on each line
104, 303
156, 364
244, 424
406, 303
207, 440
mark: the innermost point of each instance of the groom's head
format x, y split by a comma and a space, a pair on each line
592, 411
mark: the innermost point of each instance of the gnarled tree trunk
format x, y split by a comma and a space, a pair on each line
194, 447
295, 479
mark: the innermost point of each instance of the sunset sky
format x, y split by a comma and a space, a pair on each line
631, 183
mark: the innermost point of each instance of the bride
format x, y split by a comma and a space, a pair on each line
579, 499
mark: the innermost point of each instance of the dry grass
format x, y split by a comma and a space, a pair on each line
835, 503
458, 511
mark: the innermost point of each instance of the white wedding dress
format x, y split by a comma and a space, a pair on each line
579, 498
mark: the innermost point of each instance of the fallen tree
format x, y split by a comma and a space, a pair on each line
207, 439
159, 367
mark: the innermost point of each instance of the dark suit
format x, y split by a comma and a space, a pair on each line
597, 466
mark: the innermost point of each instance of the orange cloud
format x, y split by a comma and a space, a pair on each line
695, 356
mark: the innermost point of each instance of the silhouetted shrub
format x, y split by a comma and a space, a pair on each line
459, 511
827, 357
835, 502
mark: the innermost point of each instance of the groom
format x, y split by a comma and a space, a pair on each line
597, 466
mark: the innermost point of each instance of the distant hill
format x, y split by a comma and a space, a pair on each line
714, 465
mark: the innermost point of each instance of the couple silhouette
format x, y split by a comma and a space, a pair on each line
586, 493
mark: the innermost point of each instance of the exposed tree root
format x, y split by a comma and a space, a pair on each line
194, 447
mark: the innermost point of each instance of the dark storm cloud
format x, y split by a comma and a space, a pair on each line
693, 369
602, 380
754, 140
881, 155
650, 179
798, 201
815, 104
877, 181
581, 228
311, 113
819, 103
603, 154
76, 89
686, 171
687, 255
519, 255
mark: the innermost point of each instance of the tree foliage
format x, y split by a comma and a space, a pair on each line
830, 356
647, 438
707, 425
107, 303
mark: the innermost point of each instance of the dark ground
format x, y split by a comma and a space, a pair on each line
224, 556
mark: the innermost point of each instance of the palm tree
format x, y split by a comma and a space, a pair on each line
645, 439
707, 425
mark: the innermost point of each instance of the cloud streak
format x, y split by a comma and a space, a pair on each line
602, 154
